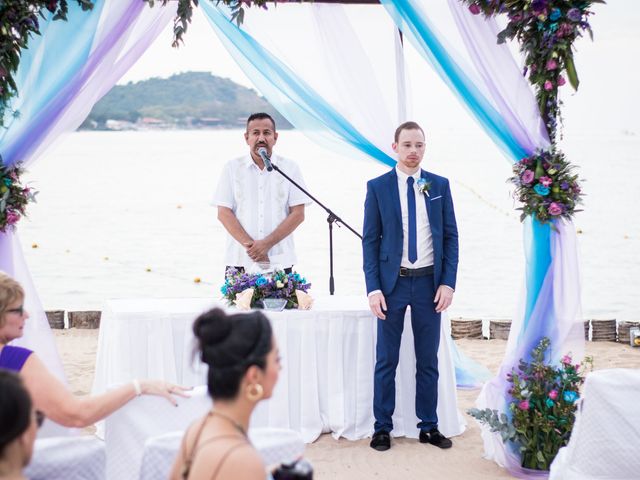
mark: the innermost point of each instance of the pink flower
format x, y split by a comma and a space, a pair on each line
561, 81
555, 209
474, 8
548, 85
524, 405
527, 176
12, 217
552, 64
566, 360
553, 394
546, 181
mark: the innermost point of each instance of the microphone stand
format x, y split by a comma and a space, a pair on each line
331, 219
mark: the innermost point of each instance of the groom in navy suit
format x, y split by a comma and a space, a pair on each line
410, 251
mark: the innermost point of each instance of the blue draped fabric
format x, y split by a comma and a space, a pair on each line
284, 89
43, 73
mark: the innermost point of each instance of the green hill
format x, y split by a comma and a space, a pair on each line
185, 100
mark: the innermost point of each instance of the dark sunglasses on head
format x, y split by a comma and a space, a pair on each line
39, 418
19, 310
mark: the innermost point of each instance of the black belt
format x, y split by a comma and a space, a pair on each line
416, 272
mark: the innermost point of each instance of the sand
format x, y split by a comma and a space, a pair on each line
407, 459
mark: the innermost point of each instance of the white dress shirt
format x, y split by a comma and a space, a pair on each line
260, 201
423, 228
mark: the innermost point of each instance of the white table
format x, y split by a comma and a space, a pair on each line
326, 383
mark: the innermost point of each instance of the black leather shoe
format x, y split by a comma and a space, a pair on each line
381, 441
434, 437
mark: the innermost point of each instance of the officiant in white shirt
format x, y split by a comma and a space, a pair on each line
260, 209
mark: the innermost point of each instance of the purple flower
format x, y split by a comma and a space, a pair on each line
564, 186
552, 64
12, 217
541, 190
548, 85
561, 81
553, 394
554, 208
574, 14
527, 176
546, 181
538, 6
474, 8
566, 360
524, 405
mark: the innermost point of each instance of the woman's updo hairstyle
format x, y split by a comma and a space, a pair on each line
15, 408
230, 344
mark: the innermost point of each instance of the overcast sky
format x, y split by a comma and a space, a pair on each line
608, 67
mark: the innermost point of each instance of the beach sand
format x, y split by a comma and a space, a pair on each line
407, 459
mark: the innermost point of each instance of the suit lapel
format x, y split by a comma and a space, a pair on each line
395, 194
425, 175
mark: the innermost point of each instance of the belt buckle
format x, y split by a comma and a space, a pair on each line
404, 272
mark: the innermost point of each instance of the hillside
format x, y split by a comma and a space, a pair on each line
185, 100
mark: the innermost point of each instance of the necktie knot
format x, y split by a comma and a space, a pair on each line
410, 181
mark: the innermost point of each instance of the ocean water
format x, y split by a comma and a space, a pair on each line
128, 214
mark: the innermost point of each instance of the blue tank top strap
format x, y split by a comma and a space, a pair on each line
13, 358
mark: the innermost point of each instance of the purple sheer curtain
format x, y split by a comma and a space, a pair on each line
557, 309
125, 31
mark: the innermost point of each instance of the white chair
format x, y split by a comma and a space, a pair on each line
275, 445
606, 435
67, 458
127, 429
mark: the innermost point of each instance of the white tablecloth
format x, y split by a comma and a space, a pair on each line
326, 383
605, 440
67, 458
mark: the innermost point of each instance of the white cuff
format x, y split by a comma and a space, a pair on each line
370, 294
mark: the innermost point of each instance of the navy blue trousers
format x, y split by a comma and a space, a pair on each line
418, 292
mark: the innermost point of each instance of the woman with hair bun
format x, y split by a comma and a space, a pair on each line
243, 361
18, 425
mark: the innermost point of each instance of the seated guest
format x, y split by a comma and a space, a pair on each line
49, 395
18, 425
243, 364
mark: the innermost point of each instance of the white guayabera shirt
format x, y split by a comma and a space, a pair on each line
260, 201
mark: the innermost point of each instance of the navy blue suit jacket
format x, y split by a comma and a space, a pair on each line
382, 232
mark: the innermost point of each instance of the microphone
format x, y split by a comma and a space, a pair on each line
265, 158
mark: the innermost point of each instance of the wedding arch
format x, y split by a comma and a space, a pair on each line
67, 69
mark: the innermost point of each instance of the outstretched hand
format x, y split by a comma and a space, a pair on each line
164, 389
443, 299
378, 305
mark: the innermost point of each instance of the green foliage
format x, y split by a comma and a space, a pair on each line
542, 407
182, 100
19, 21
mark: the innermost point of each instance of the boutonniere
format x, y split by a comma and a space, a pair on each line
424, 186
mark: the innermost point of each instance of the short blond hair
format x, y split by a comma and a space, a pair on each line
10, 291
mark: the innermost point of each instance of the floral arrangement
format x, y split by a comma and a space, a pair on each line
546, 30
546, 185
424, 186
542, 407
14, 197
290, 286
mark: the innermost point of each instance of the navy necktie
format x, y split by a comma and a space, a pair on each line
411, 204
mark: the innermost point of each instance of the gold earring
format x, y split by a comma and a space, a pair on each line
254, 392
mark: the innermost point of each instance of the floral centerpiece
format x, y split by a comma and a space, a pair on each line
546, 30
249, 289
547, 186
14, 197
542, 408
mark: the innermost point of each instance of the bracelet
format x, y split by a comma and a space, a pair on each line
137, 387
